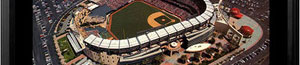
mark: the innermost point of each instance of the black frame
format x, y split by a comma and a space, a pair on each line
7, 16
293, 32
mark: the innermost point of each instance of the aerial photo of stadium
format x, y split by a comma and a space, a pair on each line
155, 32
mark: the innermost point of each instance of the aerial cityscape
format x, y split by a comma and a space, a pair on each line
150, 32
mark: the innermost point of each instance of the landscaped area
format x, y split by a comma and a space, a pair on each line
66, 49
219, 47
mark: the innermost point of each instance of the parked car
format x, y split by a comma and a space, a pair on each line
254, 53
44, 30
45, 50
50, 21
47, 54
49, 64
45, 46
232, 58
242, 61
42, 35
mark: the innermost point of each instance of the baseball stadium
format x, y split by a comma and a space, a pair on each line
127, 31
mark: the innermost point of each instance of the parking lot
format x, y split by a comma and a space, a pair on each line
46, 13
254, 56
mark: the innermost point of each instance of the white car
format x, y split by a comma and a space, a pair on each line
50, 21
261, 49
49, 64
33, 6
43, 26
264, 47
44, 31
48, 15
58, 11
38, 23
245, 58
45, 46
46, 54
242, 61
232, 58
48, 59
254, 53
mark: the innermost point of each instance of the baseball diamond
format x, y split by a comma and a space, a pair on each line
138, 16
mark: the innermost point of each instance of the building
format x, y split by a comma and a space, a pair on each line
74, 42
221, 26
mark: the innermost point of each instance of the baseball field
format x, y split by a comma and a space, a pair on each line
138, 16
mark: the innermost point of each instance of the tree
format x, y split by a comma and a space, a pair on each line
197, 55
209, 50
212, 40
159, 57
219, 44
182, 59
145, 61
221, 36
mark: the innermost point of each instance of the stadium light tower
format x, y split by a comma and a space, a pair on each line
219, 9
220, 15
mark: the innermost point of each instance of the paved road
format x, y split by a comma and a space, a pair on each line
38, 51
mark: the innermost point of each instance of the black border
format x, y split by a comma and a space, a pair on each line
5, 38
21, 50
293, 32
284, 32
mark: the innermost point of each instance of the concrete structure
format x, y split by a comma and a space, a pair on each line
74, 42
92, 6
232, 33
109, 59
221, 26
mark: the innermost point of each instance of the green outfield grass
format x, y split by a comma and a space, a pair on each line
133, 18
64, 44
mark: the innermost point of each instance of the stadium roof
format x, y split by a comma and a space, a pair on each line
133, 42
162, 32
124, 44
152, 36
114, 44
186, 24
194, 21
97, 41
178, 26
90, 39
105, 43
143, 39
170, 29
